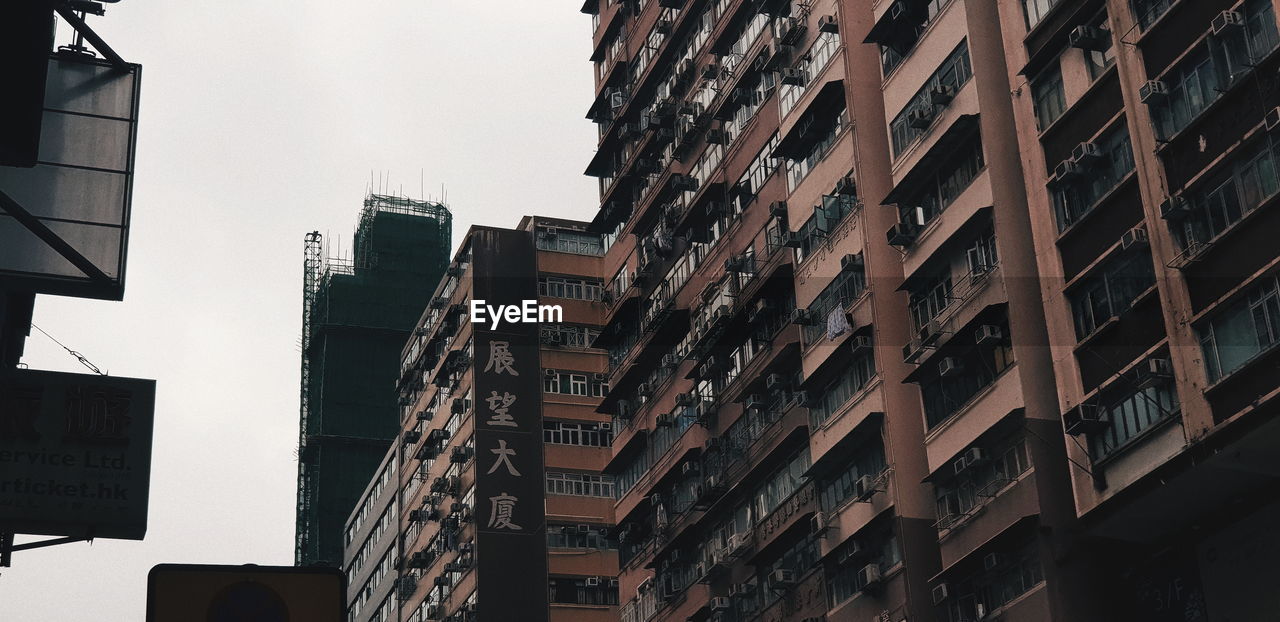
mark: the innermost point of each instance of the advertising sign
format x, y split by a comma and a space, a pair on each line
511, 541
75, 454
211, 593
64, 223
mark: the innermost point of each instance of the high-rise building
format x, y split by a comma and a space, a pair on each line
492, 504
927, 310
357, 315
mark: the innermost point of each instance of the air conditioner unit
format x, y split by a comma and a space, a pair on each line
683, 183
783, 576
412, 436
1067, 171
741, 590
819, 524
791, 32
1176, 207
424, 415
605, 426
717, 137
663, 26
911, 352
439, 302
643, 389
458, 455
775, 382
778, 209
827, 23
1084, 419
617, 100
971, 457
684, 399
851, 263
665, 135
665, 420
1153, 372
670, 360
459, 406
941, 593
902, 235
990, 561
801, 317
941, 95
859, 343
793, 76
869, 576
1154, 92
931, 333
864, 488
593, 581
988, 335
1086, 154
720, 603
755, 402
1226, 21
1134, 238
690, 468
794, 239
1089, 38
761, 310
711, 71
950, 366
806, 398
920, 118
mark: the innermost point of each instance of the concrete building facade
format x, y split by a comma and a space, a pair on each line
429, 555
926, 309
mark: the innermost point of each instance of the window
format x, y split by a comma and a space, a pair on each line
1247, 181
844, 581
954, 72
575, 537
569, 336
1048, 97
1036, 10
575, 242
1193, 85
575, 433
902, 38
867, 458
825, 218
1148, 11
1110, 292
979, 367
1242, 330
759, 171
930, 299
959, 494
575, 591
847, 287
579, 484
852, 379
562, 287
817, 149
1132, 415
1099, 61
811, 64
569, 383
1014, 574
1074, 198
941, 188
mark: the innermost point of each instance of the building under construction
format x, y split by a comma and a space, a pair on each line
357, 315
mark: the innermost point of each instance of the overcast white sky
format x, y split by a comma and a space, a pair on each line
261, 121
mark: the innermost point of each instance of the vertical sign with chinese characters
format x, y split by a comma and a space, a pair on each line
510, 513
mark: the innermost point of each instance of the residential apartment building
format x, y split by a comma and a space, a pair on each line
875, 351
495, 483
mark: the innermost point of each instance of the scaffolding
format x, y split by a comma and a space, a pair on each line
356, 314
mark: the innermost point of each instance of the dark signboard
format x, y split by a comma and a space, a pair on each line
64, 222
511, 542
75, 454
212, 593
